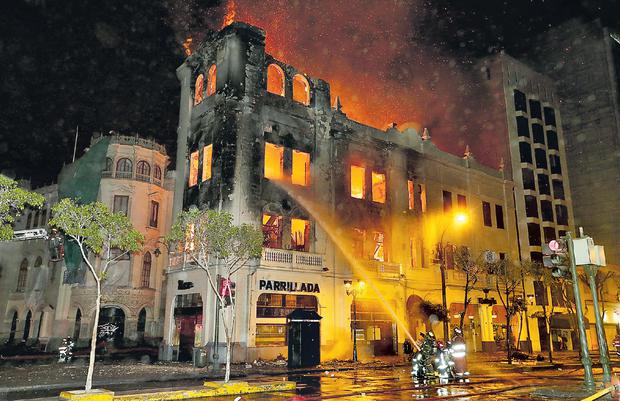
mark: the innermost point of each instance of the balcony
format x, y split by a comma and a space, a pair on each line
293, 260
384, 269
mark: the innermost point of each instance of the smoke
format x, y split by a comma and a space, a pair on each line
377, 58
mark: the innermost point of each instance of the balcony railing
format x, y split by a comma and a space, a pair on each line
385, 269
292, 259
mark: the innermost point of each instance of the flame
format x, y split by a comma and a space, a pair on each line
186, 46
229, 17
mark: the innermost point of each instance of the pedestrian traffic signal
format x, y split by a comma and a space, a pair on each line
555, 257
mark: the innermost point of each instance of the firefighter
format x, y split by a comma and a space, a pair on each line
407, 349
459, 354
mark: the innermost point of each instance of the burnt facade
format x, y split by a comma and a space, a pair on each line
337, 201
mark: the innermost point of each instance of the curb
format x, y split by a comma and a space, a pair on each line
210, 389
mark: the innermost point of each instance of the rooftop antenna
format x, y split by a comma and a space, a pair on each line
77, 132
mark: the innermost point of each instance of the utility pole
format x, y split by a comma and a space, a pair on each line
600, 331
586, 361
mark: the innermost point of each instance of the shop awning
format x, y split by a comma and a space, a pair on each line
456, 308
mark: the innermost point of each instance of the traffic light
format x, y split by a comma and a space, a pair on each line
226, 289
555, 257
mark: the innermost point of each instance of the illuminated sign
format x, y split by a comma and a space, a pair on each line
288, 286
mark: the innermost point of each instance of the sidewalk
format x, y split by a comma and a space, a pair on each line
49, 378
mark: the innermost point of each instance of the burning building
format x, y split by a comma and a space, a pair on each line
339, 203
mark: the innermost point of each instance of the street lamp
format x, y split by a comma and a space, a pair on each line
459, 218
354, 291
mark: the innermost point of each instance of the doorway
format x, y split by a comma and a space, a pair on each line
112, 325
188, 324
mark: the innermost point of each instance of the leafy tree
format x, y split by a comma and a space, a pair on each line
212, 242
508, 277
94, 228
465, 263
538, 272
13, 200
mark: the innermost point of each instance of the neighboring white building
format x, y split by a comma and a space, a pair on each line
35, 302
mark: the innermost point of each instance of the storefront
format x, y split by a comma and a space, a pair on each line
274, 297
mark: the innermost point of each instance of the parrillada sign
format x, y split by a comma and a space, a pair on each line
288, 286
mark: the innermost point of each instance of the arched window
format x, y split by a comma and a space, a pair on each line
108, 164
212, 80
157, 173
275, 80
77, 325
41, 320
38, 262
13, 328
141, 323
143, 168
301, 89
145, 279
28, 221
124, 167
27, 326
22, 276
199, 89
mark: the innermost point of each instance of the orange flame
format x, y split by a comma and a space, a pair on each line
186, 46
229, 18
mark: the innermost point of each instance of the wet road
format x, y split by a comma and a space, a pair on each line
396, 384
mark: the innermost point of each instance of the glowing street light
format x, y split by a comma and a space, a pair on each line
354, 291
459, 218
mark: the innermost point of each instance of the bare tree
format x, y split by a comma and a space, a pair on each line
508, 276
465, 263
540, 273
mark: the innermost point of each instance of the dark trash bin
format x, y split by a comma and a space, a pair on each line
304, 338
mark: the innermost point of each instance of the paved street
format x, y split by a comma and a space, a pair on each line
395, 383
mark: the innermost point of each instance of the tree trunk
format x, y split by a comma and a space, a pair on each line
93, 340
548, 324
228, 345
520, 331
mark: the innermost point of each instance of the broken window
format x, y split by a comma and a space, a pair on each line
358, 182
193, 169
207, 156
461, 201
379, 250
411, 194
275, 80
272, 231
486, 214
199, 89
301, 168
422, 189
189, 238
300, 235
378, 187
274, 161
447, 201
357, 241
212, 80
301, 90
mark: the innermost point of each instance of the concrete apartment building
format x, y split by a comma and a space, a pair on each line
337, 201
41, 301
583, 58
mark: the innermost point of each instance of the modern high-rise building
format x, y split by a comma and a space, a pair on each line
583, 58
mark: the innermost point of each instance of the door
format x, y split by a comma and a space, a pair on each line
187, 335
543, 334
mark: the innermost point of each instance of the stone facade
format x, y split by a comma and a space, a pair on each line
136, 170
409, 193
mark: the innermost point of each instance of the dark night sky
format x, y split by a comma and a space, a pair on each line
111, 64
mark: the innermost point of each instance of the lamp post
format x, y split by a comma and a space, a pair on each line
458, 218
354, 291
